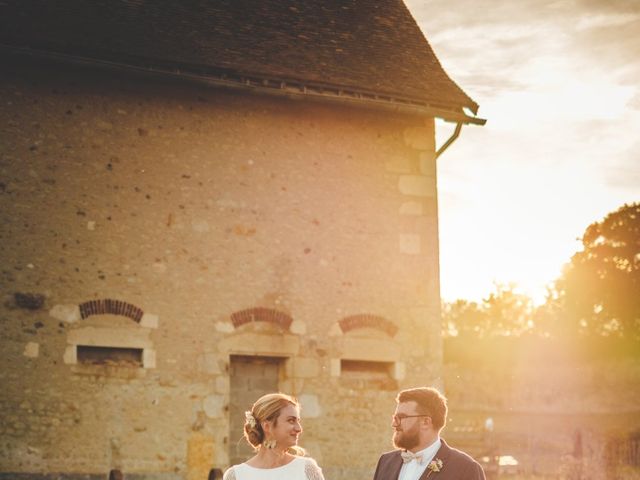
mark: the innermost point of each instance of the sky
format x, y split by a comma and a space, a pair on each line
559, 84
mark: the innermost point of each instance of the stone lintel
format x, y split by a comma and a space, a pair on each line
250, 343
110, 337
368, 349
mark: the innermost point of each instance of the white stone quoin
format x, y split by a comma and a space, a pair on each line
31, 350
409, 243
417, 185
411, 209
65, 313
149, 320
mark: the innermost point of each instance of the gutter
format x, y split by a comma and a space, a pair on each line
269, 86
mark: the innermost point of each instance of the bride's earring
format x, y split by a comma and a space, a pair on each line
270, 444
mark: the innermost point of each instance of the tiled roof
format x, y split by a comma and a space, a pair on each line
374, 47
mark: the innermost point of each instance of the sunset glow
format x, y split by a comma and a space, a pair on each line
558, 82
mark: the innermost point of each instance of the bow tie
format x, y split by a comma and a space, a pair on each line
408, 456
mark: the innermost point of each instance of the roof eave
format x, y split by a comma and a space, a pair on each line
269, 86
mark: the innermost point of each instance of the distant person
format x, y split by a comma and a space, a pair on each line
488, 425
116, 475
419, 417
489, 439
272, 427
215, 474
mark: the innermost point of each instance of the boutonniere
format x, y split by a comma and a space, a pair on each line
435, 465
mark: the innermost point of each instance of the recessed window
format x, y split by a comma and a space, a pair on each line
365, 369
115, 356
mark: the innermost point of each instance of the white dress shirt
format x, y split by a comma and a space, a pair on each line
413, 470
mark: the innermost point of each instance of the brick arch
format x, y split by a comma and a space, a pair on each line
112, 307
366, 320
261, 314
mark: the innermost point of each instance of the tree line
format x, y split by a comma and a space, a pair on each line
596, 298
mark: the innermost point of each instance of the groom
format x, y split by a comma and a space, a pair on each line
417, 421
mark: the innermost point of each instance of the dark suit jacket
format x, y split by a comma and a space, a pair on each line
456, 465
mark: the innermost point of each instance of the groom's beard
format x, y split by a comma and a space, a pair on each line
406, 439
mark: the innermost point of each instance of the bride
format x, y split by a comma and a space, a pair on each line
273, 426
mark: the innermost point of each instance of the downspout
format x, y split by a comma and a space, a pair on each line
439, 152
450, 140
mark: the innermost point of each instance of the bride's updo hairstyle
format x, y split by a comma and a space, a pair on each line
266, 409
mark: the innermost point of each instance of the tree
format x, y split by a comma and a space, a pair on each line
599, 288
464, 318
547, 317
503, 313
509, 312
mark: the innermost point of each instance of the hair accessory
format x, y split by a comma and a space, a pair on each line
251, 420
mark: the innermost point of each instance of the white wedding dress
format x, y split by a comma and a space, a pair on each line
300, 468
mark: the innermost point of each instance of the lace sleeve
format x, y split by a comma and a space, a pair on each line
311, 470
230, 474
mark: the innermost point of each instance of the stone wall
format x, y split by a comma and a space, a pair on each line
557, 415
186, 207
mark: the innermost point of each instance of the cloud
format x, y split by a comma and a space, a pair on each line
615, 6
623, 171
634, 102
589, 21
559, 82
626, 177
442, 15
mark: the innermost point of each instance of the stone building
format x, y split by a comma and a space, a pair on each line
204, 203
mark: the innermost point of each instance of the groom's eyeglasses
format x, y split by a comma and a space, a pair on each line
399, 418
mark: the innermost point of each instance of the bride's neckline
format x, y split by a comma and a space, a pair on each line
293, 458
